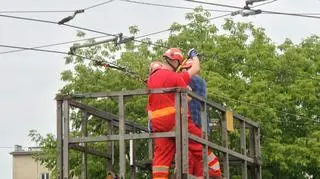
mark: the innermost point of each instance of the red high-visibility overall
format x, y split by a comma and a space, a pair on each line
162, 107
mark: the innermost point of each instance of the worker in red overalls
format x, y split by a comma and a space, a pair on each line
199, 86
162, 111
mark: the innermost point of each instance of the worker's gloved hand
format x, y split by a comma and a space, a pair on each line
192, 53
149, 126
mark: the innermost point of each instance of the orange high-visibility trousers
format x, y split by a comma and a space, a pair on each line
213, 164
164, 152
164, 148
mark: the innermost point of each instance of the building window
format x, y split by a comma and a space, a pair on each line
44, 176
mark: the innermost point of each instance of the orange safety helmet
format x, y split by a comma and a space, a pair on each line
174, 54
154, 66
187, 64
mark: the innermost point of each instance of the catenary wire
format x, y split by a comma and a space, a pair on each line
87, 29
52, 51
96, 30
263, 11
225, 15
51, 45
265, 3
34, 11
109, 64
133, 73
53, 11
97, 5
170, 6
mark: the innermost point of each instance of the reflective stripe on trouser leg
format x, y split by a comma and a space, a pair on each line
195, 149
213, 164
164, 150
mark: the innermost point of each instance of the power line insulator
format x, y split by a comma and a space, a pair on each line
246, 13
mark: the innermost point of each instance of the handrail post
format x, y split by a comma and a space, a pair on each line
225, 144
184, 132
204, 128
178, 138
122, 146
59, 140
243, 148
65, 108
84, 130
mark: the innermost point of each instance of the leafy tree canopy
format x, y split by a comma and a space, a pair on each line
275, 85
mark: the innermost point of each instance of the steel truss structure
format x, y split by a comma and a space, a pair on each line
248, 158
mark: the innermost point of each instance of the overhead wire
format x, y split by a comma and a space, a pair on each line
34, 11
263, 11
96, 31
102, 63
68, 25
34, 49
54, 11
265, 3
170, 6
97, 5
290, 14
54, 44
136, 75
152, 33
51, 22
215, 4
217, 17
225, 15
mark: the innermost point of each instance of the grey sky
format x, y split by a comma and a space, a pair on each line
29, 80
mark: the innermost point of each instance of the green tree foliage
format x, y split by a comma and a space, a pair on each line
275, 85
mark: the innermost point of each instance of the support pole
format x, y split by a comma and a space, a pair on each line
84, 130
225, 144
122, 146
65, 107
252, 151
110, 148
243, 149
257, 153
178, 138
204, 127
59, 140
185, 132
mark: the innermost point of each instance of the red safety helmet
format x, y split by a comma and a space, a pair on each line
187, 64
174, 54
154, 66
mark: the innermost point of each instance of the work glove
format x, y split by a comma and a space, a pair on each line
149, 126
192, 53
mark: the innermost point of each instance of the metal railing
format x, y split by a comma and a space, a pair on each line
248, 158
